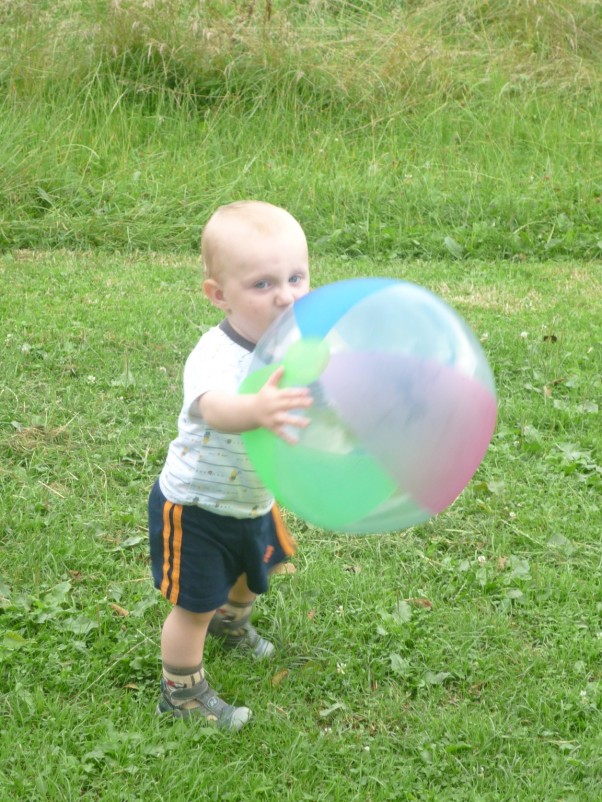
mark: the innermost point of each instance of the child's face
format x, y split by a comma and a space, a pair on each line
265, 275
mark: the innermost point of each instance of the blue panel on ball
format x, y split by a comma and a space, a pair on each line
317, 313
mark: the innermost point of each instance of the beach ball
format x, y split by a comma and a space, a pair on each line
404, 406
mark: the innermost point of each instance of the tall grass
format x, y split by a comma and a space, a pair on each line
432, 128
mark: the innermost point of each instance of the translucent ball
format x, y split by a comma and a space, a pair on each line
404, 406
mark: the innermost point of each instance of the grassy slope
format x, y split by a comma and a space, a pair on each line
441, 128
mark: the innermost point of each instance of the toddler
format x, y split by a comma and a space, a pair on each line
214, 531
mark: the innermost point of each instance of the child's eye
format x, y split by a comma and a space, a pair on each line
295, 279
261, 285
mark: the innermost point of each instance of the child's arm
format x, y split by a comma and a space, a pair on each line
269, 408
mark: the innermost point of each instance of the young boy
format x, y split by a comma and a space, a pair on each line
214, 535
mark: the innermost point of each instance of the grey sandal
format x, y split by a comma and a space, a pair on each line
210, 707
240, 634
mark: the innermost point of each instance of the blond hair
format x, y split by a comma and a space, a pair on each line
234, 219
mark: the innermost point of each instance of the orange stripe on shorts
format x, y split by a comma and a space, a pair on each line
172, 551
177, 554
286, 540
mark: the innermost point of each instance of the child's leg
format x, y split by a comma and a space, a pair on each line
269, 547
231, 622
185, 691
183, 637
240, 593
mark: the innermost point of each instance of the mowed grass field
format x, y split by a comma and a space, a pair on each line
459, 660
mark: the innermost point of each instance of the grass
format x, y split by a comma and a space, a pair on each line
454, 143
426, 130
459, 660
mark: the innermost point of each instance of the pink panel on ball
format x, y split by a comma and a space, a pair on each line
426, 423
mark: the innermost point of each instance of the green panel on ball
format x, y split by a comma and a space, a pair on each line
255, 381
327, 489
260, 445
304, 362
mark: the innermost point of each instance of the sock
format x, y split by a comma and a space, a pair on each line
183, 678
229, 615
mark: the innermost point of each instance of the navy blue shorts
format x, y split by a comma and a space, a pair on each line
197, 556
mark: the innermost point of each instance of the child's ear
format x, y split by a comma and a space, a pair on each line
214, 293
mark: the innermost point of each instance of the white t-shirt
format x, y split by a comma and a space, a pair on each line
204, 467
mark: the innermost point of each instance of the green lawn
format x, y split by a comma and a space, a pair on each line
455, 143
459, 660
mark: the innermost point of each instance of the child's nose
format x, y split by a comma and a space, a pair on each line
285, 296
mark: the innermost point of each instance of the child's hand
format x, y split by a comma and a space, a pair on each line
274, 405
271, 408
